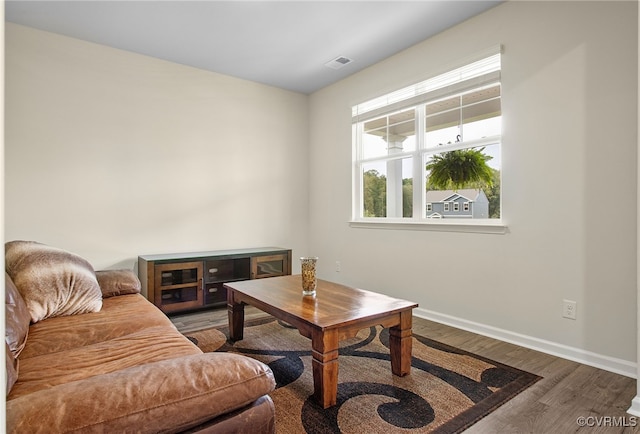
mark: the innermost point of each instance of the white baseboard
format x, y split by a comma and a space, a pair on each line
612, 364
635, 406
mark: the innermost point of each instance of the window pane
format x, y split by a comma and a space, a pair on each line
387, 188
402, 131
389, 134
442, 122
373, 138
448, 195
407, 188
374, 190
400, 188
493, 192
481, 114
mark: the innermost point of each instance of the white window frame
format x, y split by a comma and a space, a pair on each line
416, 96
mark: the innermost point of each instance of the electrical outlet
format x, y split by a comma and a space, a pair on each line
569, 308
337, 266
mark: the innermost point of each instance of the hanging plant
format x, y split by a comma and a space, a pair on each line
459, 168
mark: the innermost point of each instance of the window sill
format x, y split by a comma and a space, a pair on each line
481, 227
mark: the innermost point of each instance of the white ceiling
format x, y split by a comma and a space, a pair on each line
280, 43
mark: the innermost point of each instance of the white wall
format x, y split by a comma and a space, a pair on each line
111, 154
569, 191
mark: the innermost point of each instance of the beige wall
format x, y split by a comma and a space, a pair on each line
111, 154
569, 185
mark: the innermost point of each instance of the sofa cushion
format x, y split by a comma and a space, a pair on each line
117, 282
12, 368
52, 281
17, 317
145, 346
165, 396
119, 316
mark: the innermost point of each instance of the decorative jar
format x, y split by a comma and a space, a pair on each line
309, 280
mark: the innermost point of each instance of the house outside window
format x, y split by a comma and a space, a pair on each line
475, 204
408, 144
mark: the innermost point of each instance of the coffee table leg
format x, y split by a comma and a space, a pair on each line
325, 366
235, 312
400, 345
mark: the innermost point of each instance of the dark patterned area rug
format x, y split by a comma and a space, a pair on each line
448, 389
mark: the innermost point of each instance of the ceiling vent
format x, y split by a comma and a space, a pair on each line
338, 62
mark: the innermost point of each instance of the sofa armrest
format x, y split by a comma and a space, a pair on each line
118, 282
166, 396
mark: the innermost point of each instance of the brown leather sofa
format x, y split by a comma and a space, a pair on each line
119, 365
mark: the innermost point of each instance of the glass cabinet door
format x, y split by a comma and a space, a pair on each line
269, 266
178, 286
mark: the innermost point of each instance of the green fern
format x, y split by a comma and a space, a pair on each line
455, 169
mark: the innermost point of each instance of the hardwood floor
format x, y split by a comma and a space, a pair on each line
567, 392
205, 319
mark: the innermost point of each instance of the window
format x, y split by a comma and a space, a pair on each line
424, 147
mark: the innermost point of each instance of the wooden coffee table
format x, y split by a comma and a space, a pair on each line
335, 313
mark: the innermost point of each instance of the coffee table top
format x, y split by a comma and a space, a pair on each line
333, 305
